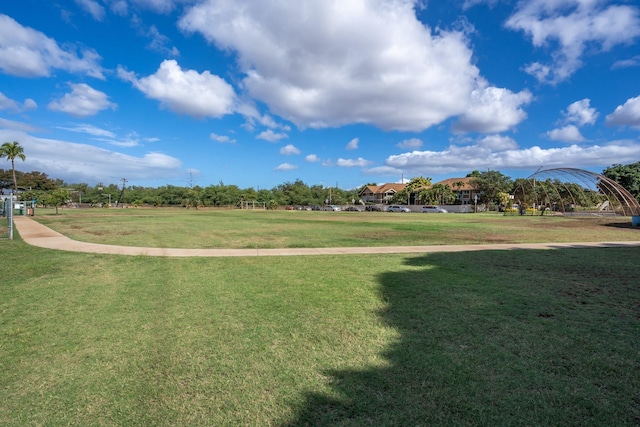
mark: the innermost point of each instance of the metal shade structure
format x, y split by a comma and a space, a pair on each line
575, 192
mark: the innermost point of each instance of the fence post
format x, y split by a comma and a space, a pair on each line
10, 215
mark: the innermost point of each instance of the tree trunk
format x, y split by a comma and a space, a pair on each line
15, 182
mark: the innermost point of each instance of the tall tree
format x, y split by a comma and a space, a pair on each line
57, 197
36, 180
416, 186
5, 179
439, 193
626, 175
12, 150
490, 183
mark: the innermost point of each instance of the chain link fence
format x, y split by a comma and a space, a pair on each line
5, 219
8, 210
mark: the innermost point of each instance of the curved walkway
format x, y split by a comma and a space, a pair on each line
36, 234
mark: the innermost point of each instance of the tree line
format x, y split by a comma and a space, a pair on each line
493, 187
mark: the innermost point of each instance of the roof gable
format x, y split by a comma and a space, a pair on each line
451, 182
384, 188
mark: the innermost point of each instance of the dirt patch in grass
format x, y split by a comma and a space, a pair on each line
379, 235
497, 238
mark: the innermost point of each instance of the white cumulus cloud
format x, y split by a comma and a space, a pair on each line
289, 150
492, 110
25, 52
222, 138
271, 136
627, 114
568, 133
578, 114
570, 29
353, 144
327, 64
186, 91
82, 101
581, 113
12, 105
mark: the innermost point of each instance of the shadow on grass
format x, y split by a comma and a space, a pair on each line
626, 225
500, 338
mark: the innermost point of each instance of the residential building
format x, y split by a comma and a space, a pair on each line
463, 189
380, 194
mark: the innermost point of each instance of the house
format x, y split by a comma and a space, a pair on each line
380, 193
462, 187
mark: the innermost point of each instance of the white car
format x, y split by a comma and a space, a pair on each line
398, 208
432, 209
334, 208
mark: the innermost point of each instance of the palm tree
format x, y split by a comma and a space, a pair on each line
12, 150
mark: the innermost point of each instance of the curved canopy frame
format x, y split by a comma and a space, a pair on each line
575, 192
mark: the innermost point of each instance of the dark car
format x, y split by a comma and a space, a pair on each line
373, 208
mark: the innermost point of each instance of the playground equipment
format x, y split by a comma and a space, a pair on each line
575, 192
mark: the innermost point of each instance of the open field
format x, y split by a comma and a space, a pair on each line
471, 338
204, 228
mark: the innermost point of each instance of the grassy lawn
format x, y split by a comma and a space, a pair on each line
479, 338
4, 227
182, 228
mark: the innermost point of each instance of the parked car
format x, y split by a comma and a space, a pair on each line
334, 208
432, 209
398, 208
373, 208
353, 209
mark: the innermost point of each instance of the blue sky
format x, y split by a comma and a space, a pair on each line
334, 92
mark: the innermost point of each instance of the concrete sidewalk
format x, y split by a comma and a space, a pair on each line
36, 234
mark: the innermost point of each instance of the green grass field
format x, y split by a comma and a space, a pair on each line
476, 338
220, 228
4, 228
